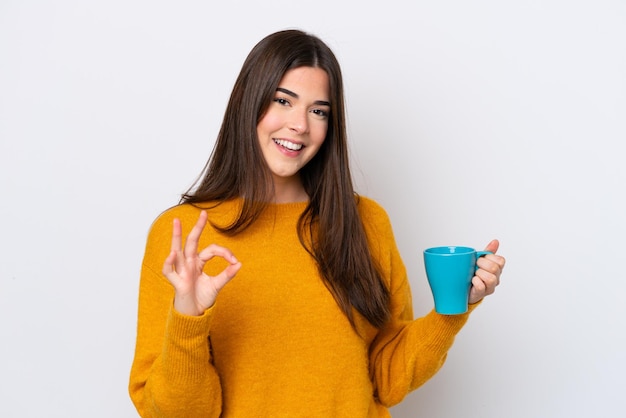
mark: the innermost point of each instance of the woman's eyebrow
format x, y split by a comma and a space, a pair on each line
295, 95
287, 92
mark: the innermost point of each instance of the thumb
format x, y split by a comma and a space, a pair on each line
226, 275
493, 246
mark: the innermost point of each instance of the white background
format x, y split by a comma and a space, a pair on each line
469, 120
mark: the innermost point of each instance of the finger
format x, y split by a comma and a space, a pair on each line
217, 250
493, 246
489, 280
191, 246
477, 291
176, 235
491, 263
225, 276
177, 238
169, 270
478, 286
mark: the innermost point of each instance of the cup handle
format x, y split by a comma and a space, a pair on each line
481, 254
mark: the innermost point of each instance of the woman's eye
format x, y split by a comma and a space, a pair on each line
281, 101
321, 113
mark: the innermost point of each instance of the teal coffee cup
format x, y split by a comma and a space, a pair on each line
449, 271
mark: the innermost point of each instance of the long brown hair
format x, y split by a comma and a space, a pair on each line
330, 228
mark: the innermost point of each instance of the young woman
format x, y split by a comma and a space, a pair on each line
280, 291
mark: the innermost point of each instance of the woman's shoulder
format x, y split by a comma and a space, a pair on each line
371, 210
374, 218
188, 214
378, 230
160, 231
182, 211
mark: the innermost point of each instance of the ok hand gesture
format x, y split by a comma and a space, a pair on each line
195, 290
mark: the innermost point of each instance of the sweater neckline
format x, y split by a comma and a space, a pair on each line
271, 207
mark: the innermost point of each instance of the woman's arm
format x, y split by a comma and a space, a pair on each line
407, 352
172, 373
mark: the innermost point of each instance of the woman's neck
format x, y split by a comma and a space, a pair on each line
289, 190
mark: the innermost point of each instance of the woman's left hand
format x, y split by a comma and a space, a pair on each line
487, 275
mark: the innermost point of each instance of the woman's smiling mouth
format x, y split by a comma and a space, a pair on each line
287, 144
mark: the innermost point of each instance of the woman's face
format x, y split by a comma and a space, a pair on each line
294, 127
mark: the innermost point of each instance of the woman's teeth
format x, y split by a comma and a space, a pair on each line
288, 145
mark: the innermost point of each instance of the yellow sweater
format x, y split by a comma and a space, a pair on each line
276, 344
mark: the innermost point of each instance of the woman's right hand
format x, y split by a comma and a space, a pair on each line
195, 290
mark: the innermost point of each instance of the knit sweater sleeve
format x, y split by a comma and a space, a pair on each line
172, 373
406, 352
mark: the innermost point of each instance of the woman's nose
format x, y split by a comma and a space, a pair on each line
298, 121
